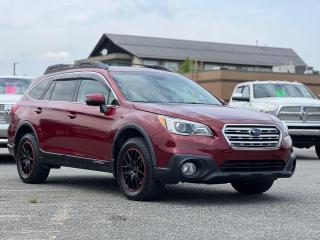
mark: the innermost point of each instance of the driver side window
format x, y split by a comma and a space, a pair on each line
90, 86
244, 91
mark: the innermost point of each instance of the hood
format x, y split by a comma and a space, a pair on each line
10, 98
275, 102
205, 113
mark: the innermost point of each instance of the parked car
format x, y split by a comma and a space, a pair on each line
11, 90
149, 127
291, 102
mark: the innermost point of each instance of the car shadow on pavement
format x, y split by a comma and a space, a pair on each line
184, 195
98, 184
180, 194
6, 159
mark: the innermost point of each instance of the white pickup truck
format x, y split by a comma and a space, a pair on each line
291, 102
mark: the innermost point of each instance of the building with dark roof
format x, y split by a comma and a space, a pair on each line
209, 55
220, 66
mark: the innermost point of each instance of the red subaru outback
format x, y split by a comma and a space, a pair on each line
147, 126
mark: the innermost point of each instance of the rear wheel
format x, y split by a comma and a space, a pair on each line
135, 171
252, 187
318, 151
28, 162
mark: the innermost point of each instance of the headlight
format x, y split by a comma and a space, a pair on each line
270, 111
285, 129
183, 127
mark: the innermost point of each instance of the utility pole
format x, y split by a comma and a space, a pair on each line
14, 68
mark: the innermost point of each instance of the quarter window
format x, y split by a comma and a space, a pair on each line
37, 91
64, 90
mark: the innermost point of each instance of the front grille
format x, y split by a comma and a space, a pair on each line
252, 166
299, 114
240, 137
2, 118
2, 114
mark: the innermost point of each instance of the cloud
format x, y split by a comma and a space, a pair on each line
54, 55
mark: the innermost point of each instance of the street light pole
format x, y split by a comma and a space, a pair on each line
14, 68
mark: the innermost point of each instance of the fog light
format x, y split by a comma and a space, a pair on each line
188, 169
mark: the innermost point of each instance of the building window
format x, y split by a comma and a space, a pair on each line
150, 62
211, 67
174, 66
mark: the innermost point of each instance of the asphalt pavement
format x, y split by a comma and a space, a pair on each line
80, 204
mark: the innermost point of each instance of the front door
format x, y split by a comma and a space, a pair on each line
89, 129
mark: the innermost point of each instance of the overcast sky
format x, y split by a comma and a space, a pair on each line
37, 33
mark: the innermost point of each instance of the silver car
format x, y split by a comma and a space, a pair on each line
11, 90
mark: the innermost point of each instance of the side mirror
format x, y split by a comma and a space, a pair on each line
240, 97
97, 99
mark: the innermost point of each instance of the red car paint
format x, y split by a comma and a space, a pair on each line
80, 130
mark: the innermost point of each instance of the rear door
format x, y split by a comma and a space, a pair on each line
90, 130
54, 115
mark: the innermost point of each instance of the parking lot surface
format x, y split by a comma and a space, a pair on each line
79, 204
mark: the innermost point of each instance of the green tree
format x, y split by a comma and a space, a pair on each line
188, 66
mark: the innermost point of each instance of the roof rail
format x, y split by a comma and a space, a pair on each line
82, 64
96, 64
158, 67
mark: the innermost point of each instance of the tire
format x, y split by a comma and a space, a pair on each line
318, 151
135, 171
253, 187
28, 162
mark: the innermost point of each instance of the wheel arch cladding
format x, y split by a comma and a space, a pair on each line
23, 129
127, 132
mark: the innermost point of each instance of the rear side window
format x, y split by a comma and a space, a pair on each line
37, 90
64, 90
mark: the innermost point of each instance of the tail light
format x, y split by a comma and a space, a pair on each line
14, 108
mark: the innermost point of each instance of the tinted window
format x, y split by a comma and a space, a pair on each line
48, 93
161, 87
89, 87
37, 91
64, 90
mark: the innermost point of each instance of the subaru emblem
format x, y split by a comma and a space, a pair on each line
255, 132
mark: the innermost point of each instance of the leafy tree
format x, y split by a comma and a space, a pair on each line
188, 66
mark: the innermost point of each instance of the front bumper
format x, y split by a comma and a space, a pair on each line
304, 134
3, 135
208, 172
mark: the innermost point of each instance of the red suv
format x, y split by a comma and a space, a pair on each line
147, 126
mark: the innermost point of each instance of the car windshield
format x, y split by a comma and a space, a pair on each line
281, 90
14, 85
161, 87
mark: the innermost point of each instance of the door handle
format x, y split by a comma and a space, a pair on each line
71, 115
38, 110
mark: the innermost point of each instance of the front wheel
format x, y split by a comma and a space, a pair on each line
252, 187
28, 162
135, 171
318, 150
